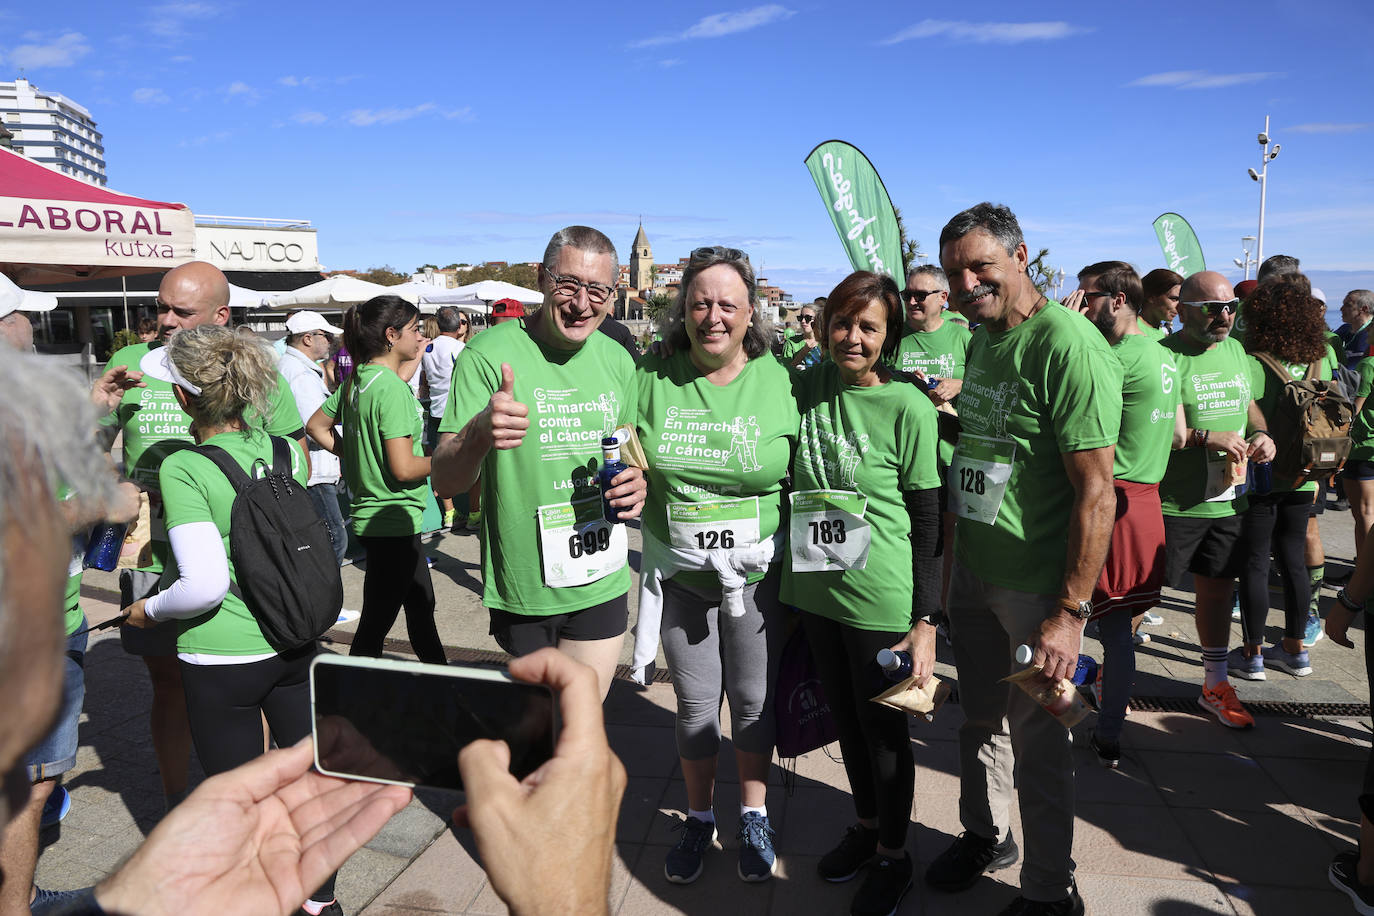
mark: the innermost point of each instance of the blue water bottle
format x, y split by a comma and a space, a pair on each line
932, 382
1261, 477
102, 549
611, 465
896, 665
1086, 671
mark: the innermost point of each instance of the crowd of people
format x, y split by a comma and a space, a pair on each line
958, 453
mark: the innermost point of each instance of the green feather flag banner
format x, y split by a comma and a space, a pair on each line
858, 206
1180, 244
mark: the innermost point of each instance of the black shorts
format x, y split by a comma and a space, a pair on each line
1201, 546
521, 634
1319, 504
1358, 470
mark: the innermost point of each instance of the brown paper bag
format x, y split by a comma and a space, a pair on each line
919, 701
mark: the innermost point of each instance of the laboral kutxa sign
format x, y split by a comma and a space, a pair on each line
257, 248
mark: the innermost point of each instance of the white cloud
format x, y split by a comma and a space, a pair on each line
670, 62
62, 51
169, 20
309, 117
1199, 79
149, 96
718, 25
1001, 33
240, 89
1328, 127
459, 114
366, 117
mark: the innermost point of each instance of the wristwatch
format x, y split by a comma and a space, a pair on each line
1080, 609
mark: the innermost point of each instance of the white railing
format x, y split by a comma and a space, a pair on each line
257, 222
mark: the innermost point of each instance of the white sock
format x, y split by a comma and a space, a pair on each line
761, 810
1213, 665
315, 907
708, 816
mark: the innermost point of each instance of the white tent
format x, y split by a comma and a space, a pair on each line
337, 292
429, 297
246, 298
491, 290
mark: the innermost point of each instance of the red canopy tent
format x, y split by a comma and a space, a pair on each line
54, 228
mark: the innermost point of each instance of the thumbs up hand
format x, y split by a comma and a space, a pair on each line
506, 418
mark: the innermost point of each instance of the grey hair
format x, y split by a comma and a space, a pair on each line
1277, 266
583, 238
235, 374
1362, 299
48, 421
759, 330
930, 270
449, 318
996, 220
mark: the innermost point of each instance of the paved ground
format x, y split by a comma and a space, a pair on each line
1198, 818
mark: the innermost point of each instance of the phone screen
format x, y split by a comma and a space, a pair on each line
394, 722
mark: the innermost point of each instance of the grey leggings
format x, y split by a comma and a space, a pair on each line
713, 655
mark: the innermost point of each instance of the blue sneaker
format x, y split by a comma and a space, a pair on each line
1295, 663
685, 860
756, 857
56, 807
1249, 668
1313, 633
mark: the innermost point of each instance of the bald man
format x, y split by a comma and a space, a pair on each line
1219, 426
154, 426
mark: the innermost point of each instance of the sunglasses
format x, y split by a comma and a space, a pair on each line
806, 317
718, 252
918, 295
1215, 307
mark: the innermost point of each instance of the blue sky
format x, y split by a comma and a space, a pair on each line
415, 132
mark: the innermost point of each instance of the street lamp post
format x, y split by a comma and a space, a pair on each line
1262, 176
1244, 262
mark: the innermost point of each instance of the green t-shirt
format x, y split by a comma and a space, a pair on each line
71, 597
195, 490
1154, 332
956, 317
1362, 428
379, 406
939, 353
1149, 399
155, 427
1047, 386
574, 398
877, 442
1268, 388
1217, 386
710, 443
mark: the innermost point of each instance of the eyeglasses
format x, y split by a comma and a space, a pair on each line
918, 295
1095, 293
718, 252
806, 317
1215, 307
567, 287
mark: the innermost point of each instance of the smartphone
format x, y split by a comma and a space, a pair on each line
404, 722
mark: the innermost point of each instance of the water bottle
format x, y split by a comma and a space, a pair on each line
102, 549
611, 465
1085, 672
896, 665
1060, 700
932, 382
1261, 477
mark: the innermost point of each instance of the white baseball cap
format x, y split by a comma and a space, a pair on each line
306, 320
1319, 295
14, 299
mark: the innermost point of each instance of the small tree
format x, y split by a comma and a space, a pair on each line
910, 247
1042, 272
656, 306
386, 275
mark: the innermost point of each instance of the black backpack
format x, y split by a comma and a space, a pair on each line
284, 561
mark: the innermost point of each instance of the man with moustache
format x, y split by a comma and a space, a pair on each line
1110, 295
554, 572
1222, 426
1031, 480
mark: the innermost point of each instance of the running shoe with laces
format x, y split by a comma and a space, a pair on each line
856, 849
333, 908
967, 859
1343, 878
1108, 752
58, 805
1222, 702
474, 522
1249, 667
1071, 905
1312, 632
756, 857
685, 860
1297, 664
1151, 619
886, 883
1140, 638
449, 515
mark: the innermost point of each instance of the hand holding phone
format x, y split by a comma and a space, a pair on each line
546, 840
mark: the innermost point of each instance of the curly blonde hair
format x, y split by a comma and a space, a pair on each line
236, 374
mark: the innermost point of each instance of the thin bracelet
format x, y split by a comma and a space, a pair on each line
1349, 603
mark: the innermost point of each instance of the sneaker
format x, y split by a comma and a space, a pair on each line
1071, 905
1250, 667
57, 806
756, 857
449, 515
1343, 878
685, 860
46, 901
1151, 619
966, 860
1235, 605
1140, 638
1108, 752
883, 888
474, 521
856, 849
1312, 634
1295, 663
334, 909
1222, 702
